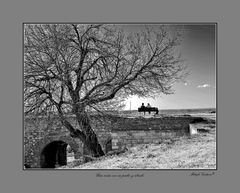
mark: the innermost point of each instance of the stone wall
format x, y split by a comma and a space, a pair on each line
130, 132
117, 132
41, 131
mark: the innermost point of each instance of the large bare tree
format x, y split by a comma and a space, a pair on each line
77, 68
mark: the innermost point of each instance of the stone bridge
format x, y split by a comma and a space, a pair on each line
46, 141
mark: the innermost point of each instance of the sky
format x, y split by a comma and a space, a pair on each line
199, 89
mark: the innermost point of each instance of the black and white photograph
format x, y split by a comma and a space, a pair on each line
119, 96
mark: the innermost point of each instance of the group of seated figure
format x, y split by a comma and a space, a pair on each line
148, 109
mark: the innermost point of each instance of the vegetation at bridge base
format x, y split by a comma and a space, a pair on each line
81, 68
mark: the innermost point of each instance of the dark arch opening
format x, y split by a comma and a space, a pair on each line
55, 153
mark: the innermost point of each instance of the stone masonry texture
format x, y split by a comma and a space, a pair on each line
118, 131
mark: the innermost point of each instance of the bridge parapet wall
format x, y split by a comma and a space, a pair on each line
131, 132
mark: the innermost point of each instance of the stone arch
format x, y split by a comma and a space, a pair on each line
54, 153
37, 156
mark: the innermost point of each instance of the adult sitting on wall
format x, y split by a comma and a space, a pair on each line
149, 108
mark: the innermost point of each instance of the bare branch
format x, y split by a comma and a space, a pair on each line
87, 65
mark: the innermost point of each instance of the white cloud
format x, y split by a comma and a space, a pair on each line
204, 86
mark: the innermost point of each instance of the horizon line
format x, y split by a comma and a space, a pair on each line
180, 108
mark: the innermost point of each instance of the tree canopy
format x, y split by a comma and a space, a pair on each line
75, 67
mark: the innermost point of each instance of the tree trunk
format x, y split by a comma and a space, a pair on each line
90, 140
92, 146
86, 134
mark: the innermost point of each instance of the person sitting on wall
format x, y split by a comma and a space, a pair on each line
149, 106
143, 107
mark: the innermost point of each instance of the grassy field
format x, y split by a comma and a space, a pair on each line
187, 152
